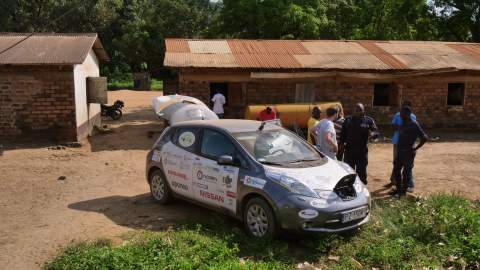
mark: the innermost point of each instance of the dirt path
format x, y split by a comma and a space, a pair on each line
104, 192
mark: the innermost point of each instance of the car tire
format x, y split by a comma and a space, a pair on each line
159, 188
259, 220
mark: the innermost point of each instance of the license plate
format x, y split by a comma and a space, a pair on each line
354, 214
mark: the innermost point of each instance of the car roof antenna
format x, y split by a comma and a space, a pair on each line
262, 125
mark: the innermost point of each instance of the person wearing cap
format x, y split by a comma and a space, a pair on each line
267, 114
356, 131
408, 134
312, 122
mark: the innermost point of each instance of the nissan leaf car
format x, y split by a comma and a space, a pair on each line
259, 173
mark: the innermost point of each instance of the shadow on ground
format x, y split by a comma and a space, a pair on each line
137, 130
141, 212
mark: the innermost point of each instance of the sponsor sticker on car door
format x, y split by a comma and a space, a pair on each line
229, 183
177, 165
215, 184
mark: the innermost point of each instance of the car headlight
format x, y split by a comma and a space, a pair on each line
292, 185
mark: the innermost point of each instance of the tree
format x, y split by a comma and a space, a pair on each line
394, 19
458, 19
273, 18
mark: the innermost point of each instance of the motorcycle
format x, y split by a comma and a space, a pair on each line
114, 111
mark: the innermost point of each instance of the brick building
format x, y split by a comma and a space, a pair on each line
43, 85
441, 79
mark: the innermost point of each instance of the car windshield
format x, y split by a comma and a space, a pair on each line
276, 147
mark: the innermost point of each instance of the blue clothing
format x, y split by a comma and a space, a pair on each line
403, 170
397, 120
408, 134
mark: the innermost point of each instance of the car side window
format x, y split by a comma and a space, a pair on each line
215, 144
165, 137
187, 138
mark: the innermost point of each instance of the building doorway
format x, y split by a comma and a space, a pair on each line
221, 88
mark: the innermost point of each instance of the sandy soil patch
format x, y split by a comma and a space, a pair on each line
104, 193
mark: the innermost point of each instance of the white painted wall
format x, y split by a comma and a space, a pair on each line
87, 115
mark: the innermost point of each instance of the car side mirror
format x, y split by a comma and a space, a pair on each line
225, 160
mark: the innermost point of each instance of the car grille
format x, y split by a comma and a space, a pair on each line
345, 189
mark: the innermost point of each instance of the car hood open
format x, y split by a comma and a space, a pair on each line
323, 177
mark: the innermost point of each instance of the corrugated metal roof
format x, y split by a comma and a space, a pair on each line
209, 46
415, 47
431, 61
200, 60
342, 61
267, 61
468, 49
177, 45
54, 49
292, 47
333, 47
323, 54
383, 55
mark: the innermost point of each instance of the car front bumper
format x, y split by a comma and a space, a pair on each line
328, 218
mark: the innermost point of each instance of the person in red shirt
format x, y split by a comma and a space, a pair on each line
267, 114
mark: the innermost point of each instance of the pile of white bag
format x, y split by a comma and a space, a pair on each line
178, 108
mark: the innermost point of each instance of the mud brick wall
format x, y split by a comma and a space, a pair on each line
200, 90
37, 103
429, 100
428, 95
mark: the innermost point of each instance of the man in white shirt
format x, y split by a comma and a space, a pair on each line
326, 135
218, 102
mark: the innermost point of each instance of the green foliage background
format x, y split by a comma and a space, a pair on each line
133, 30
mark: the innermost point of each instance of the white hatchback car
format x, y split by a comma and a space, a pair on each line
257, 172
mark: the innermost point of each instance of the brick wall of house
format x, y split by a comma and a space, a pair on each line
428, 94
37, 102
429, 100
200, 90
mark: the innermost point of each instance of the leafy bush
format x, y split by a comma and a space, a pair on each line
441, 231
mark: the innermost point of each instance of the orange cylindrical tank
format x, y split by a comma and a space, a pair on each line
290, 114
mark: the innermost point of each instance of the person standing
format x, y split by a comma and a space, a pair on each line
312, 122
267, 114
356, 131
218, 102
338, 130
409, 132
326, 137
397, 123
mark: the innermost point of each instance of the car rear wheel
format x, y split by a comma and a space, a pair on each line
159, 188
259, 219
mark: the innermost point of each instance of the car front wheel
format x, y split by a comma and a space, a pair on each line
259, 219
159, 188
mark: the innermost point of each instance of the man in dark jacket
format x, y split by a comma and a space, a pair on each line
409, 132
356, 130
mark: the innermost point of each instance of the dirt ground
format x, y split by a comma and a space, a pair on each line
50, 197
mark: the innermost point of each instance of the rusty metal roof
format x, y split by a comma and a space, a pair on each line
322, 54
47, 48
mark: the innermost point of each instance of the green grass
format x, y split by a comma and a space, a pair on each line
441, 231
157, 85
119, 85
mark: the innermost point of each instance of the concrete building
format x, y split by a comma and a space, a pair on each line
441, 79
43, 85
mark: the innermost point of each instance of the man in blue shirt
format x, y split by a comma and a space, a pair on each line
397, 123
408, 134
